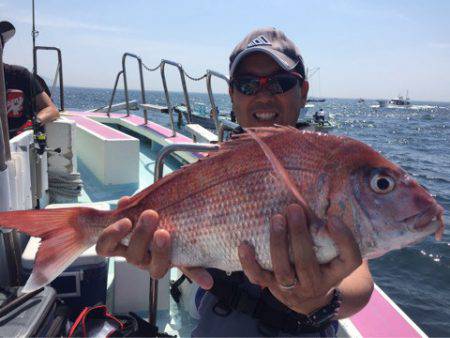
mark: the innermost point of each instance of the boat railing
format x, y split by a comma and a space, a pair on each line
125, 82
226, 125
166, 90
214, 108
143, 104
116, 82
159, 165
170, 106
59, 71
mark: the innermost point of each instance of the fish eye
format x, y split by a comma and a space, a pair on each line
382, 184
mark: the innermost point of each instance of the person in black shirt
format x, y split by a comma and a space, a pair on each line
21, 87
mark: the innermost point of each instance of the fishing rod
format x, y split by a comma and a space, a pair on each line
34, 34
40, 138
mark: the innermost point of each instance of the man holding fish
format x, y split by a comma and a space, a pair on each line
299, 212
268, 87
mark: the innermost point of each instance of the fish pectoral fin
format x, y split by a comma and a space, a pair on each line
282, 174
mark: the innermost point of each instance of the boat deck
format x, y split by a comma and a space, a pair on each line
173, 321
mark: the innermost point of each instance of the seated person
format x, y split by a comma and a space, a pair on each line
21, 88
319, 116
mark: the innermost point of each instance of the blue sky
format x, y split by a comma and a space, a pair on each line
370, 49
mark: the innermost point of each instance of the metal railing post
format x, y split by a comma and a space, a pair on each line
166, 94
226, 125
141, 76
125, 83
60, 70
185, 91
113, 93
214, 109
159, 165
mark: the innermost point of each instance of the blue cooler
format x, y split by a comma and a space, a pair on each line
83, 283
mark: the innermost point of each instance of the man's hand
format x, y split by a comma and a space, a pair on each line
144, 235
306, 285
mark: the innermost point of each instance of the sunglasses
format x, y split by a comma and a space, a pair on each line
275, 84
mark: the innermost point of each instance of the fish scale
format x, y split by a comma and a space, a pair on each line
251, 217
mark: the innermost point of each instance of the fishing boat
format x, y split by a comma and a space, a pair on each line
323, 125
314, 99
312, 123
400, 102
92, 158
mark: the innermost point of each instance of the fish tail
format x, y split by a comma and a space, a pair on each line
65, 234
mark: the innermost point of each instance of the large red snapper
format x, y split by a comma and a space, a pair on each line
213, 205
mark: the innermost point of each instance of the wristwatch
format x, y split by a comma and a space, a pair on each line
324, 315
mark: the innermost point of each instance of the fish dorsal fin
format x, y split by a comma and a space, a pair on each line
282, 173
239, 141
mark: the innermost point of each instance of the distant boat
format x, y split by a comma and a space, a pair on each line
361, 100
398, 102
315, 100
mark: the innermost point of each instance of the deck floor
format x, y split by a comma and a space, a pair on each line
175, 321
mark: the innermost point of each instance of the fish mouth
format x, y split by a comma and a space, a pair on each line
265, 116
427, 220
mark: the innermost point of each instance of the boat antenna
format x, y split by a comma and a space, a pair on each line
34, 34
320, 91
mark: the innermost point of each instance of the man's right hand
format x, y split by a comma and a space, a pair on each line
145, 234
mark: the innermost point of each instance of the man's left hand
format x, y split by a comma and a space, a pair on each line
304, 286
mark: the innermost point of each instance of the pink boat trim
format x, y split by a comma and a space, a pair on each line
381, 319
163, 131
135, 120
99, 128
97, 114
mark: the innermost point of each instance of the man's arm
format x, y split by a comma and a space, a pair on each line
356, 290
47, 110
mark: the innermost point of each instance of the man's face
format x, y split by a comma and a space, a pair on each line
264, 109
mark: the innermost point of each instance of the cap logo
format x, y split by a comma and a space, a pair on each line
259, 41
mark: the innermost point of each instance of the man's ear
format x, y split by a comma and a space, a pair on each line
304, 92
230, 92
